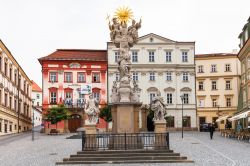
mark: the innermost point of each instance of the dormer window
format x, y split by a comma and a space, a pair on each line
151, 39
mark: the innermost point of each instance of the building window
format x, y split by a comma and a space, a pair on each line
96, 95
228, 99
151, 56
96, 77
186, 121
201, 103
168, 56
201, 85
135, 76
80, 77
184, 56
169, 98
5, 128
53, 97
151, 76
185, 77
134, 56
117, 55
24, 86
214, 85
117, 77
5, 100
68, 95
15, 105
214, 103
37, 96
0, 123
227, 67
200, 69
37, 103
170, 121
213, 68
151, 96
68, 77
228, 85
53, 76
185, 98
5, 68
15, 78
10, 98
169, 76
10, 74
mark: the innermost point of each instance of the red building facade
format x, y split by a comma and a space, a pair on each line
66, 74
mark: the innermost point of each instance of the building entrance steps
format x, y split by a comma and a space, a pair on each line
122, 156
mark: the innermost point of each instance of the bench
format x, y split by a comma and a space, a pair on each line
54, 132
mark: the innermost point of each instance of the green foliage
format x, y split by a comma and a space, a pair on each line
56, 114
105, 114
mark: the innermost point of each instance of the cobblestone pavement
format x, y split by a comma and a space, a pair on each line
46, 150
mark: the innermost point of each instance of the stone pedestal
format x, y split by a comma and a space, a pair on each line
144, 115
91, 138
160, 134
90, 128
125, 117
66, 126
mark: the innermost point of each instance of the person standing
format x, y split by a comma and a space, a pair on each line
211, 130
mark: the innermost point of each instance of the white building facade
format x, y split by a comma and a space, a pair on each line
162, 67
37, 104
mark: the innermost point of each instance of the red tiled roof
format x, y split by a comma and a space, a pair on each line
77, 54
35, 87
214, 55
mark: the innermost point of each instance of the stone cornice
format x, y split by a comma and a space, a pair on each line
165, 66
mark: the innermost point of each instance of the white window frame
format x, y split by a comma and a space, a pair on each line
169, 98
151, 56
168, 76
228, 85
135, 56
184, 56
168, 56
227, 67
152, 76
213, 68
200, 69
214, 85
185, 77
135, 76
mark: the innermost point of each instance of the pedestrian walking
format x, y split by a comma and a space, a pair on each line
211, 130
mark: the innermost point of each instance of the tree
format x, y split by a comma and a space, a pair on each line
105, 114
56, 114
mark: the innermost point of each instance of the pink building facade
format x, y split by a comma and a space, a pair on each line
69, 76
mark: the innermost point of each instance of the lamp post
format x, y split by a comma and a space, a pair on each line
182, 98
33, 120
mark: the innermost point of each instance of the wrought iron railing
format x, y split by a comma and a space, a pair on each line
125, 141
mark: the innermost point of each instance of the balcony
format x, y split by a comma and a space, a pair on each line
75, 105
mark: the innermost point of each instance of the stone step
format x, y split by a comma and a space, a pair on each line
125, 154
123, 161
145, 158
124, 151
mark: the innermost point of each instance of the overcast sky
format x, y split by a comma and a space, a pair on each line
35, 28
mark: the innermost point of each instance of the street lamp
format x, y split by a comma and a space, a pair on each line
182, 98
33, 120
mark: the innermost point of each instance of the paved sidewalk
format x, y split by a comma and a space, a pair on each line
46, 150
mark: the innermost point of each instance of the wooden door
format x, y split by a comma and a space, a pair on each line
74, 123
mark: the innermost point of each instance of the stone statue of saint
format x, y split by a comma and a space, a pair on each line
159, 108
114, 29
133, 30
92, 110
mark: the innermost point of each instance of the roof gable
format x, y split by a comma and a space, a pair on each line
153, 38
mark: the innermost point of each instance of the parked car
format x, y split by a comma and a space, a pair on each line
205, 127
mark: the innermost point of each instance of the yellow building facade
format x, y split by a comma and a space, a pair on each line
15, 95
217, 87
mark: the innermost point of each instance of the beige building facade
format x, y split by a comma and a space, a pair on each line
164, 67
15, 87
217, 87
